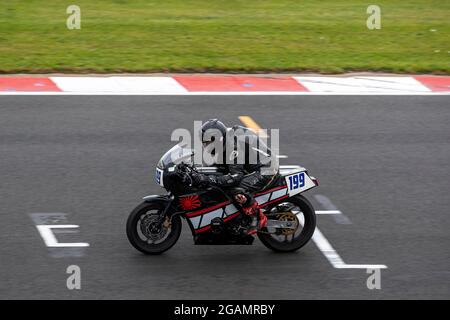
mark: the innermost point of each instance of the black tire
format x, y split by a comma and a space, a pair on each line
306, 233
143, 246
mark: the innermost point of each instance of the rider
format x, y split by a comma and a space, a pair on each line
247, 167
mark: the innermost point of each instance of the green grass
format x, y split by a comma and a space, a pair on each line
224, 36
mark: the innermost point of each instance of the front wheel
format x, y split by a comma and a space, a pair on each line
150, 234
298, 212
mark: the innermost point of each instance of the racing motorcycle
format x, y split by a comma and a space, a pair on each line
213, 216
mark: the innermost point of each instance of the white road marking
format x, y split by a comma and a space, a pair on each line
118, 84
328, 212
362, 84
59, 222
326, 203
332, 256
45, 230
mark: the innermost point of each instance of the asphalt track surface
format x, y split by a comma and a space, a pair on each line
384, 161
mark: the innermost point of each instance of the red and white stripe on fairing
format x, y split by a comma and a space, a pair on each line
201, 219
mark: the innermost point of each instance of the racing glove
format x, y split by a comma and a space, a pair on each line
200, 179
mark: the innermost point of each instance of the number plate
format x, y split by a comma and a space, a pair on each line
159, 177
298, 182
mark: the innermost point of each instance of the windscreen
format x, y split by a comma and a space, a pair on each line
175, 155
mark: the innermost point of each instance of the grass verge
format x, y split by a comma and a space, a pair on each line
224, 36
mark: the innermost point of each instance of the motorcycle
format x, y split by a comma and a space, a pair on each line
213, 216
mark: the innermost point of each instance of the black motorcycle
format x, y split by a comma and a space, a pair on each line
213, 216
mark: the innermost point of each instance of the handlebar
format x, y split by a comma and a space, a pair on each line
184, 170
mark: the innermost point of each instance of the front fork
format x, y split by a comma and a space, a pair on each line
165, 217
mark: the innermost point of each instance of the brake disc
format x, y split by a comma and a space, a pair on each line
152, 228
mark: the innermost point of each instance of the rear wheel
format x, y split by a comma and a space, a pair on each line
298, 212
150, 234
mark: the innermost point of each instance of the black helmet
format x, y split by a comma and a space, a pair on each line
213, 124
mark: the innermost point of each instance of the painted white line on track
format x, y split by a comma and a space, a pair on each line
45, 230
50, 225
326, 203
118, 84
332, 256
362, 84
328, 212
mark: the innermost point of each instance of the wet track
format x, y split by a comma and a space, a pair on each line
384, 162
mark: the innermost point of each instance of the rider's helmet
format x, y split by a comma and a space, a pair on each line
213, 124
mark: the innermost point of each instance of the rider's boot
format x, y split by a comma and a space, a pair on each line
259, 219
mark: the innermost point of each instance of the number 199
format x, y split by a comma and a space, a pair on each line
297, 181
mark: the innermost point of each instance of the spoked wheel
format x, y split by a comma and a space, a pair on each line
150, 234
298, 220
